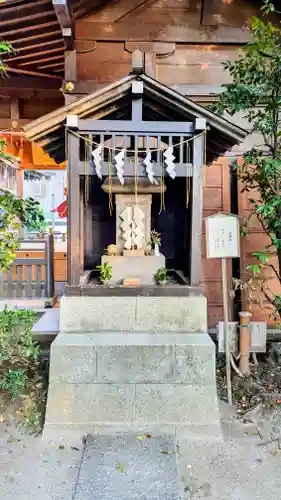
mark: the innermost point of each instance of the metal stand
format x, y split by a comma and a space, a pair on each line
226, 336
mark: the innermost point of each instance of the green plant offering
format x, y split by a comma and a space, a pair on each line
155, 238
161, 276
105, 272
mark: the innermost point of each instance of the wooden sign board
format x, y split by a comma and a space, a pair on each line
222, 236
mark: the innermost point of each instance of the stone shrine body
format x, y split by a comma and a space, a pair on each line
132, 261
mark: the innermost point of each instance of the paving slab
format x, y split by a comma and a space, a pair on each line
129, 468
31, 469
237, 469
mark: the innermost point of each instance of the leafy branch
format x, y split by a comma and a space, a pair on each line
256, 90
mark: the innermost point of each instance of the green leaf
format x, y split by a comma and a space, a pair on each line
261, 256
255, 269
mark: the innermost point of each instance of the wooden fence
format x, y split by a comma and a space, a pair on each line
30, 277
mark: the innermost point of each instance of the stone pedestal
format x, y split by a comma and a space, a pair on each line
142, 267
132, 364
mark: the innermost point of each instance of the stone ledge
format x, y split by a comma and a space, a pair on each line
140, 358
75, 432
139, 403
133, 314
110, 338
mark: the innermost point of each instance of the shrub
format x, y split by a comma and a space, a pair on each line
21, 379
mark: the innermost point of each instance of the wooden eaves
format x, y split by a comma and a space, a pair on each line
162, 101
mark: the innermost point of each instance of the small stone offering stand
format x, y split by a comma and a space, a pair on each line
135, 358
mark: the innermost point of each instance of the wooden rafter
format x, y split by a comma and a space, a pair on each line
31, 17
42, 60
25, 29
39, 53
49, 43
31, 73
48, 34
11, 10
52, 65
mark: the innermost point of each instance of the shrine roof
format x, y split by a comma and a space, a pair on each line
114, 102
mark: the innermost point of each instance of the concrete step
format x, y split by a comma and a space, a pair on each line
114, 382
47, 327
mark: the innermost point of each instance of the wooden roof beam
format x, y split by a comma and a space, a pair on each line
38, 36
24, 6
31, 73
35, 54
30, 17
43, 60
63, 12
21, 28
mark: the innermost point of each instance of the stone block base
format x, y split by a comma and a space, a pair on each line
134, 266
133, 314
116, 382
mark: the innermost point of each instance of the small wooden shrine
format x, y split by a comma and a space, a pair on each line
136, 152
132, 357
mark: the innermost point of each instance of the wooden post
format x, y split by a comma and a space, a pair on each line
50, 276
15, 113
244, 342
70, 74
150, 64
197, 209
137, 95
73, 209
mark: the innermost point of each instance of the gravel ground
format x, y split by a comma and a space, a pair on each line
243, 467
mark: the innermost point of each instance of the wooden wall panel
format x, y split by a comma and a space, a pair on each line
256, 241
216, 199
34, 108
150, 12
5, 111
228, 12
195, 74
195, 64
167, 20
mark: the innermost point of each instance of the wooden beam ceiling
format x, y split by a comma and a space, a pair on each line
40, 32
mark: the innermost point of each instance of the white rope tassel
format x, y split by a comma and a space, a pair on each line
119, 163
97, 160
169, 160
149, 168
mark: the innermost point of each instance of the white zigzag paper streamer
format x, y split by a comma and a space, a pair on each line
169, 160
149, 168
138, 227
97, 160
119, 163
126, 227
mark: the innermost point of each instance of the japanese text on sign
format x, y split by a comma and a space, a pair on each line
222, 236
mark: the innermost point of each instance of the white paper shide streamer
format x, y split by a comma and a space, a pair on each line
97, 160
119, 164
149, 168
169, 160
